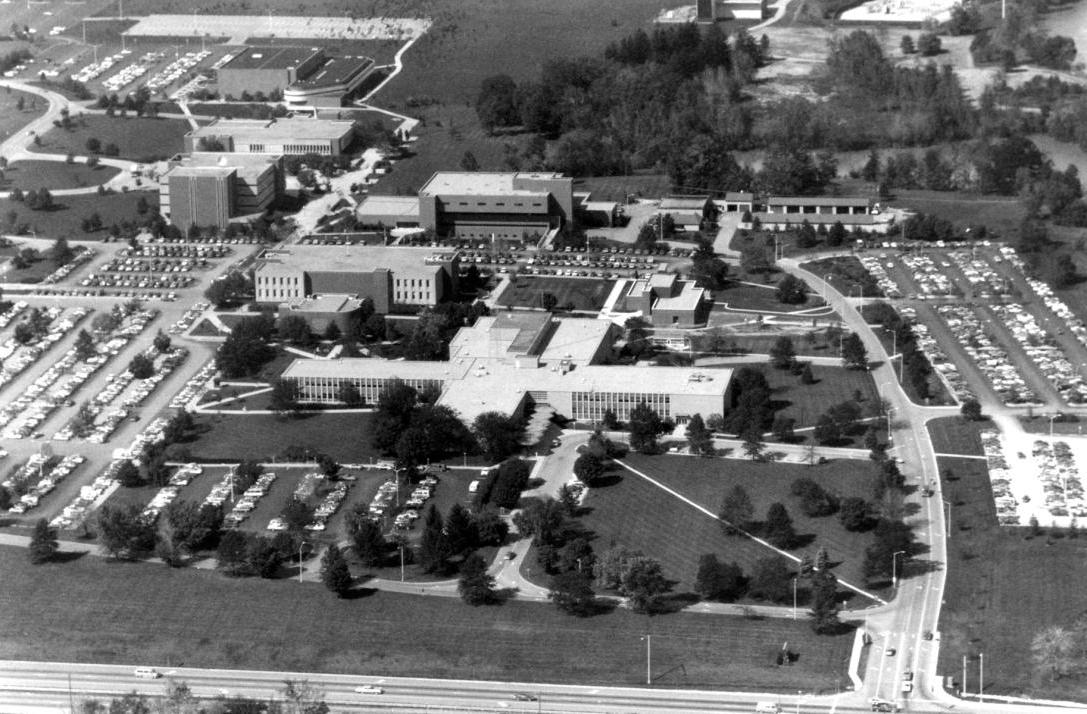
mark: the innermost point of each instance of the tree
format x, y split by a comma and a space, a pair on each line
737, 512
855, 514
297, 514
60, 253
543, 519
94, 145
815, 501
572, 592
161, 342
468, 162
228, 289
294, 329
496, 103
460, 530
548, 301
792, 291
141, 367
350, 395
128, 474
824, 607
971, 410
783, 428
783, 353
806, 376
826, 430
366, 537
1055, 652
434, 548
643, 583
699, 438
771, 580
285, 395
588, 468
490, 528
476, 585
497, 434
232, 553
854, 353
778, 529
928, 44
85, 347
718, 581
246, 349
645, 425
907, 45
335, 573
43, 542
123, 533
753, 445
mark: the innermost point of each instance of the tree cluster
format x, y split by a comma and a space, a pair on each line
247, 348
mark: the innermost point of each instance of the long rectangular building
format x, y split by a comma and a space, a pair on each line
287, 136
508, 362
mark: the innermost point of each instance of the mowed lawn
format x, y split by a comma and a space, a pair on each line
584, 293
234, 437
641, 515
807, 402
11, 119
95, 610
1002, 588
53, 175
138, 138
955, 435
65, 219
1002, 215
761, 344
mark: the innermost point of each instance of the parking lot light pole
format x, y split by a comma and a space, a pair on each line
795, 577
301, 545
947, 527
648, 659
894, 567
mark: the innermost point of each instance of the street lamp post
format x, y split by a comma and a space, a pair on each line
894, 567
648, 659
1051, 420
794, 596
947, 528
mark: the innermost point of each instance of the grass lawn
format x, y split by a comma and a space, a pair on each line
32, 175
138, 138
11, 119
1000, 214
740, 296
761, 344
33, 273
845, 274
99, 611
617, 188
584, 293
1040, 425
637, 514
1002, 588
345, 437
65, 219
955, 435
807, 402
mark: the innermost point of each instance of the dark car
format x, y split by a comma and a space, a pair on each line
525, 697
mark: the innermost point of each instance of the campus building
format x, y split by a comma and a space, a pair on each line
666, 301
714, 10
387, 275
208, 189
506, 205
267, 69
513, 361
687, 212
334, 81
287, 136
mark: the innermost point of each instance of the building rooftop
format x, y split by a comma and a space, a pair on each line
326, 303
334, 72
846, 219
245, 164
576, 340
683, 203
508, 334
401, 206
274, 130
818, 201
739, 196
481, 183
183, 170
689, 298
285, 57
353, 258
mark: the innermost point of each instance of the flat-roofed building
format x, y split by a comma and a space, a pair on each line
687, 212
504, 205
387, 275
267, 69
510, 361
713, 10
257, 181
832, 205
287, 136
322, 310
739, 201
388, 212
666, 301
331, 83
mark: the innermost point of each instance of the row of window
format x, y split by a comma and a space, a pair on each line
519, 204
322, 390
590, 406
278, 279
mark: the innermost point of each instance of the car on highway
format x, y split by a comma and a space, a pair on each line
890, 652
525, 697
147, 673
369, 689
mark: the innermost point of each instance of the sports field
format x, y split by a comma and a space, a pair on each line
92, 610
584, 293
642, 516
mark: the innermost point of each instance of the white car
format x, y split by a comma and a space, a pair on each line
369, 689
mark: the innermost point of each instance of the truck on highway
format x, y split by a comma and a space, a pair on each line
767, 708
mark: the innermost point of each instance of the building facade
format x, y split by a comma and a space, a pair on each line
666, 301
333, 82
267, 69
208, 189
479, 205
286, 136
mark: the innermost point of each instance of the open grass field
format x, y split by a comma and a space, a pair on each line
1000, 214
1040, 425
617, 188
744, 296
955, 435
846, 274
761, 344
1002, 588
138, 138
32, 175
11, 119
69, 211
33, 273
584, 293
112, 613
345, 437
807, 402
640, 515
